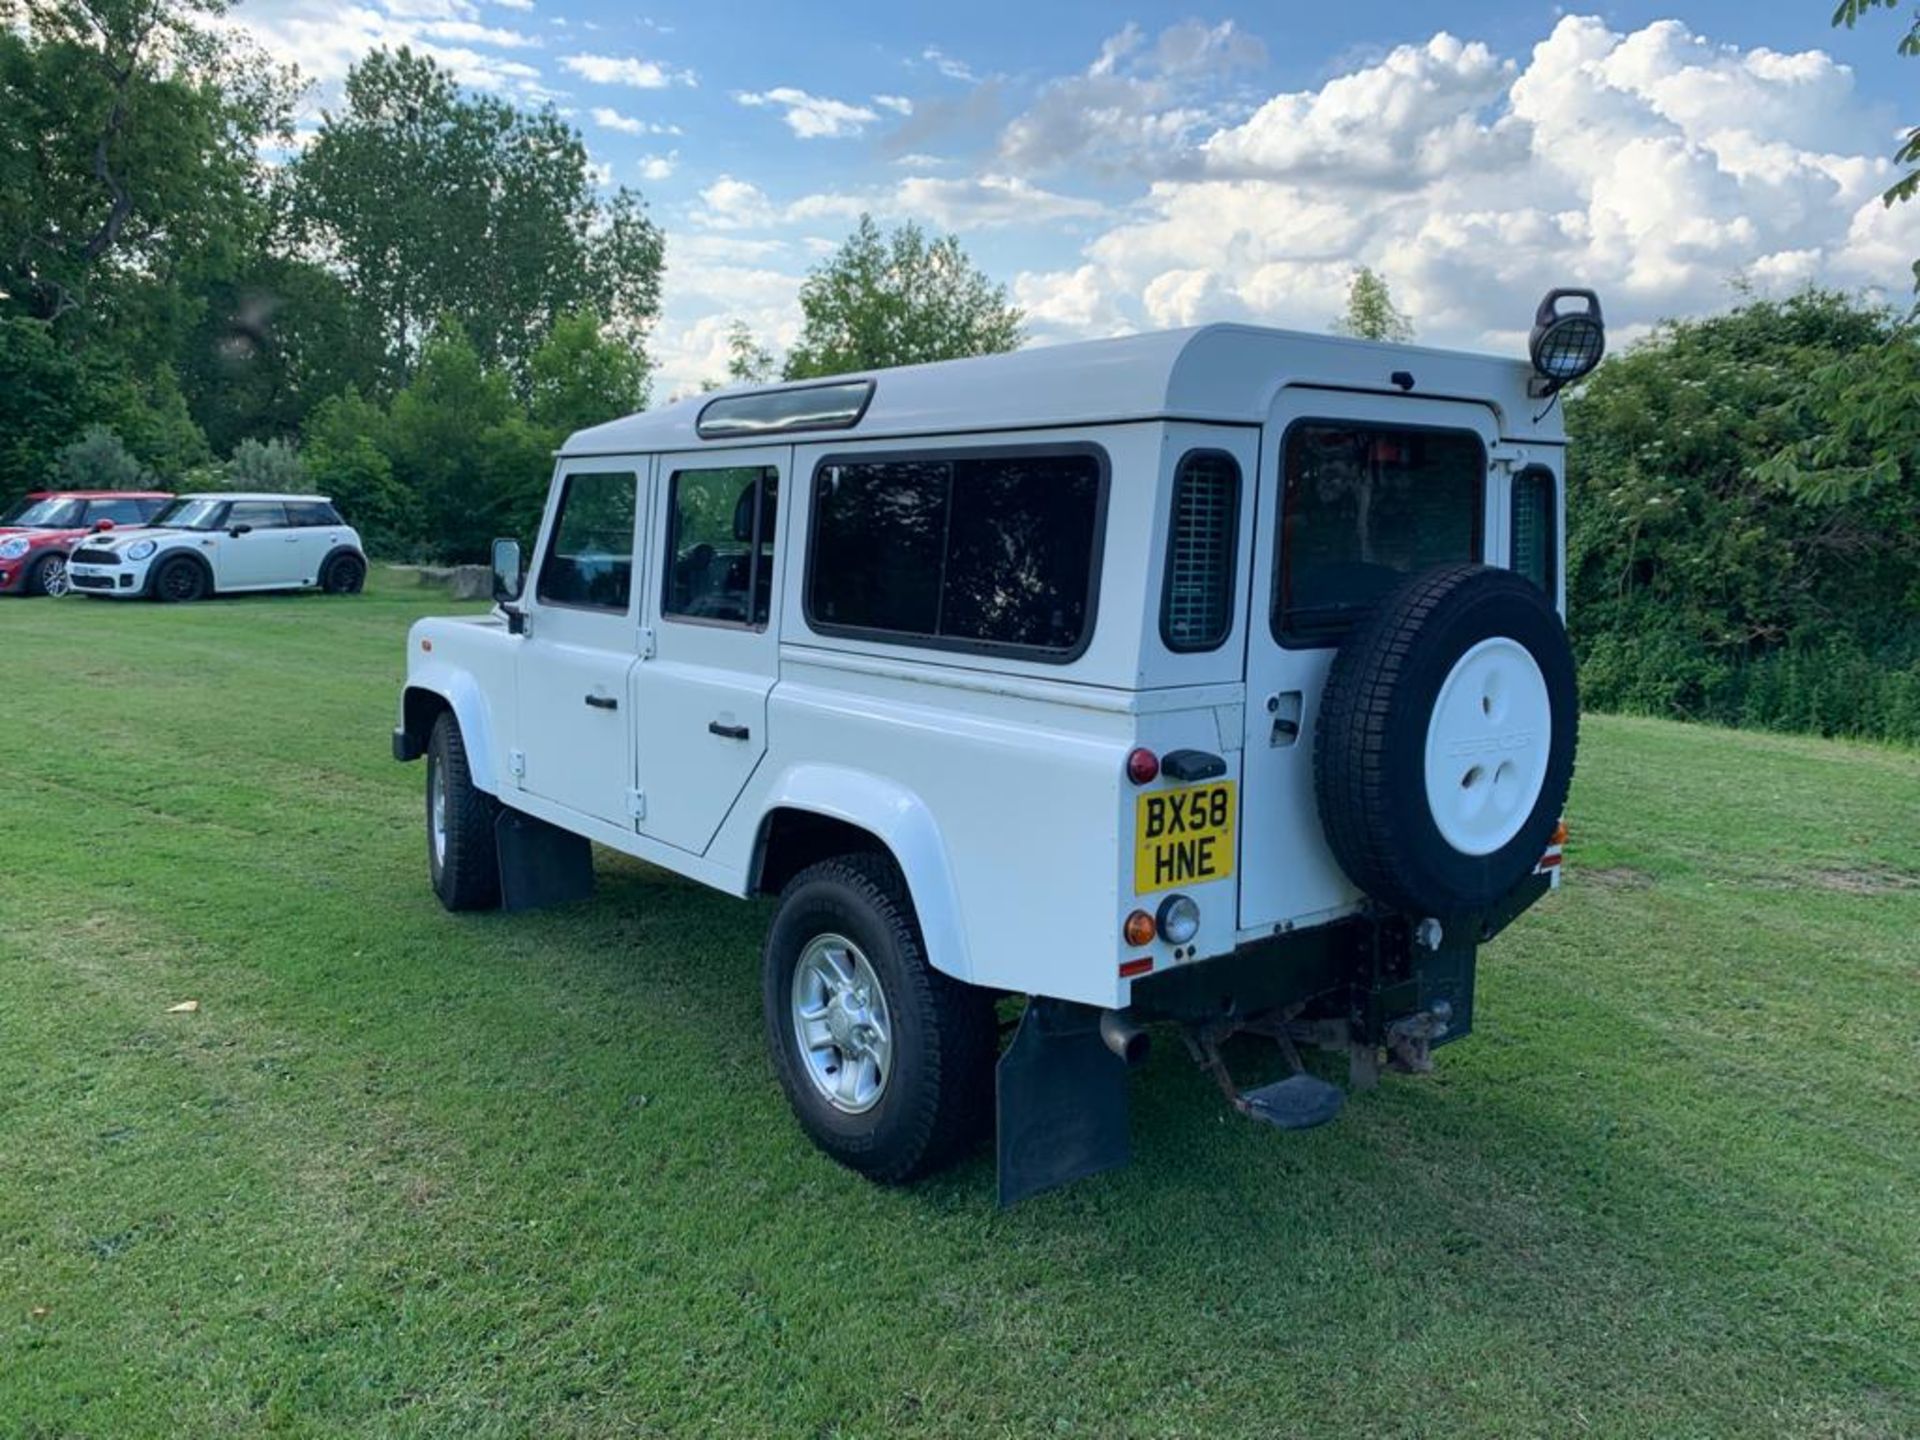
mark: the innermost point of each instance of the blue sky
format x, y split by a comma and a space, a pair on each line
1130, 167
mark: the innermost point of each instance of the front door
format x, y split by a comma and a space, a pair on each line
1356, 493
700, 700
573, 724
264, 555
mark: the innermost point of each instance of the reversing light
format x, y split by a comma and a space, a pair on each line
1566, 346
1139, 929
1142, 766
1178, 920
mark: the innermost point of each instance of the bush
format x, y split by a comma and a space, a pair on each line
273, 465
98, 461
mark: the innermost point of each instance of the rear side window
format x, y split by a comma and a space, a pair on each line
1364, 506
150, 508
1196, 605
589, 560
311, 512
967, 550
121, 512
720, 544
1536, 535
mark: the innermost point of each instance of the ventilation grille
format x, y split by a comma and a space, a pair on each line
1198, 610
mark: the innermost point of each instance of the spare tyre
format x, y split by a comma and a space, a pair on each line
1445, 740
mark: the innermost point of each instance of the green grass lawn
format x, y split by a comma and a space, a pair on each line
410, 1173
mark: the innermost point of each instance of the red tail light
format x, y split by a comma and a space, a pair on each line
1143, 766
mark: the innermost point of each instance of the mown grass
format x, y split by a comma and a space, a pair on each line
406, 1173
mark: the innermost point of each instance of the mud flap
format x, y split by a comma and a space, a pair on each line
540, 864
1062, 1101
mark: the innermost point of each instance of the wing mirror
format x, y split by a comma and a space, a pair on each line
506, 571
237, 531
100, 525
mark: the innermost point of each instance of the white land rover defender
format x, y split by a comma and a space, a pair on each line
1214, 677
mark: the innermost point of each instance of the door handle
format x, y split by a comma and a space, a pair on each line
727, 732
603, 702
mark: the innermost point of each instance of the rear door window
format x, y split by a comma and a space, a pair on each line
120, 512
1363, 506
720, 544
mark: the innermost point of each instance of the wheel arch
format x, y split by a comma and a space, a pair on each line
335, 553
171, 553
813, 812
428, 695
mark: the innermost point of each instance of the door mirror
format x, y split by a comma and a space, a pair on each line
506, 571
100, 525
237, 531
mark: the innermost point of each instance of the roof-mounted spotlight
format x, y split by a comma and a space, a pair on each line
1565, 346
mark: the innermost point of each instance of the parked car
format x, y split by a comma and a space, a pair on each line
1215, 677
221, 544
39, 532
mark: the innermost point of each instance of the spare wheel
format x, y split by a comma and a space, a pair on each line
1445, 740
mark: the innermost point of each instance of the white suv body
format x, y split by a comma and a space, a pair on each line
943, 632
224, 543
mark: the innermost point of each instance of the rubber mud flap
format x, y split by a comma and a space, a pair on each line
1062, 1102
540, 864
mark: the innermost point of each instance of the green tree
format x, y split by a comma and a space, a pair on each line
748, 361
580, 376
898, 299
273, 465
1371, 313
431, 202
98, 461
1742, 500
346, 441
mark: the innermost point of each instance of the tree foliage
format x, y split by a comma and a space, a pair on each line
1849, 13
97, 461
433, 201
1743, 499
1371, 313
898, 299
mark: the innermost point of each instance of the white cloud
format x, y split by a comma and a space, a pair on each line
983, 203
608, 118
659, 167
626, 70
899, 104
948, 66
1652, 165
730, 204
813, 117
472, 33
513, 4
325, 39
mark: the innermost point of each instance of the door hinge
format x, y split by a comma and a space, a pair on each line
517, 763
637, 804
1510, 456
646, 643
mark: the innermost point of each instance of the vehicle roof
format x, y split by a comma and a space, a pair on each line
1226, 373
251, 495
99, 495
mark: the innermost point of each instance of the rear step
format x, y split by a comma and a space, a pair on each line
1299, 1102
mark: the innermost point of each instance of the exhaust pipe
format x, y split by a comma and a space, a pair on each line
1125, 1037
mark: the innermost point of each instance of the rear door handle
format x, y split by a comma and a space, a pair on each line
728, 732
603, 702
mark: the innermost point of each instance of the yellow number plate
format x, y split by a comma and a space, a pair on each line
1182, 837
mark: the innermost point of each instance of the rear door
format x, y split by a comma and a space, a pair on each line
1356, 492
700, 697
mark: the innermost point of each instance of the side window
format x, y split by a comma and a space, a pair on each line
260, 514
311, 512
150, 508
1196, 602
720, 544
1536, 535
121, 512
589, 559
960, 551
1362, 507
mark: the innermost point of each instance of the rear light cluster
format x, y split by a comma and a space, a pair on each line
1177, 922
1143, 766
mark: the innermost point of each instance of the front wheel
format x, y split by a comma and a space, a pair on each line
180, 579
461, 860
344, 575
887, 1063
49, 577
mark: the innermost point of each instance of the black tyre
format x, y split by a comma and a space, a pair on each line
49, 576
344, 575
1445, 741
887, 1063
462, 860
180, 578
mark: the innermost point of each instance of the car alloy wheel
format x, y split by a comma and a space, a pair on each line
841, 1024
54, 579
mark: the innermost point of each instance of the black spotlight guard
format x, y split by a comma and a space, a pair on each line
1062, 1101
540, 864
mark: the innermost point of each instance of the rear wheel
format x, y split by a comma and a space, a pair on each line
49, 577
888, 1063
344, 575
179, 579
461, 859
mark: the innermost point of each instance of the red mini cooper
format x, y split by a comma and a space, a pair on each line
37, 534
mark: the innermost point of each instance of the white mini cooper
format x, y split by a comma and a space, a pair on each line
1214, 678
204, 545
